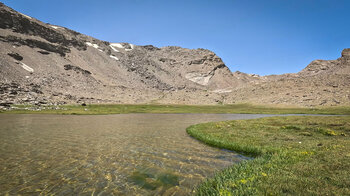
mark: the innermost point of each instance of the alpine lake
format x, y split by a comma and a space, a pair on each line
120, 154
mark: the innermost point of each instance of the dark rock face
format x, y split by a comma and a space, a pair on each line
210, 58
76, 69
18, 23
36, 44
150, 47
15, 56
44, 52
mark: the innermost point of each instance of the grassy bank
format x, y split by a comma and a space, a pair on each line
121, 109
304, 155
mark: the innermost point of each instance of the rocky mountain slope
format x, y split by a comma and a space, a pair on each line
321, 83
42, 63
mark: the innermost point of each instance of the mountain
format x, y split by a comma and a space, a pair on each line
321, 83
43, 64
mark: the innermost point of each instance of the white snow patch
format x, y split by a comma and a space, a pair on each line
114, 57
26, 16
26, 67
113, 48
27, 77
92, 45
202, 79
100, 50
55, 27
222, 91
118, 45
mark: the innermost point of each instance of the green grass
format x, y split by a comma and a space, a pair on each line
152, 108
295, 155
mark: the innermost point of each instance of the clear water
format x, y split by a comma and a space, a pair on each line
125, 154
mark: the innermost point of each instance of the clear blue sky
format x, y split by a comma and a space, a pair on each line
253, 36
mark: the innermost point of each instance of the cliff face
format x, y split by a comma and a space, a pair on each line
46, 64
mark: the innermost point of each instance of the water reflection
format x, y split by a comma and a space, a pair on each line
127, 154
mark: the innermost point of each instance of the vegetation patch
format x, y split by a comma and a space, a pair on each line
154, 108
294, 155
151, 180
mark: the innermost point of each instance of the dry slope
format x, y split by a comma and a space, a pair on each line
321, 83
42, 63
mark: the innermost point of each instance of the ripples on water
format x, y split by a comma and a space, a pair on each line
126, 154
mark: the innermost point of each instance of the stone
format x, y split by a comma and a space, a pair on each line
15, 56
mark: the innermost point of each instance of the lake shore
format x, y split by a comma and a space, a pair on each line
97, 109
294, 155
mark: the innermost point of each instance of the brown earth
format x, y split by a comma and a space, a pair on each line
46, 64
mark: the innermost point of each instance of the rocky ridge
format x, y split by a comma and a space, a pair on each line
321, 83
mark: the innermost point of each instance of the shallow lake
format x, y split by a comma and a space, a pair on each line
123, 154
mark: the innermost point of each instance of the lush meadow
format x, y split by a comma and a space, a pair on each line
295, 155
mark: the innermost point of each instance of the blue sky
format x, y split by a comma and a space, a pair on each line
253, 36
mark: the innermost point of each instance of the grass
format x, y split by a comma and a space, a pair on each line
153, 108
294, 155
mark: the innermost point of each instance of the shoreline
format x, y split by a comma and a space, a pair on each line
290, 155
96, 109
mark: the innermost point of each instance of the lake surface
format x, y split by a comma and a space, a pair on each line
123, 154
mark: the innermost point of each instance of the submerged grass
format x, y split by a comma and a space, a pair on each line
295, 155
153, 108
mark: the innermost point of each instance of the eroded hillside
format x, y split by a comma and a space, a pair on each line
43, 64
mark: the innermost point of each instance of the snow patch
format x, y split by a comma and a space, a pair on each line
221, 91
114, 57
92, 45
202, 79
113, 48
118, 45
26, 67
55, 27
